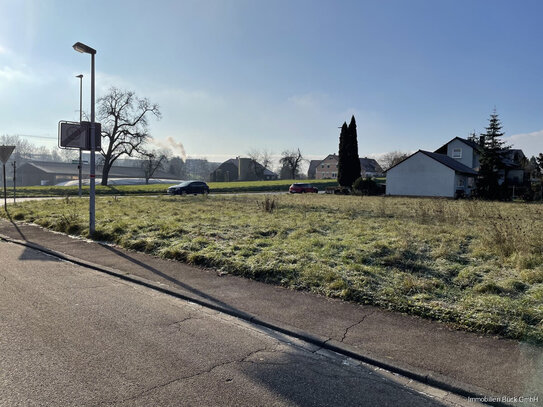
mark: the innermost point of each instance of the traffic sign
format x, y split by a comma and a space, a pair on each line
76, 135
5, 153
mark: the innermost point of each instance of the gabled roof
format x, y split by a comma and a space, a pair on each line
443, 159
450, 162
370, 165
313, 164
469, 143
234, 162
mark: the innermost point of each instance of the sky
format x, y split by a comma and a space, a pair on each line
231, 76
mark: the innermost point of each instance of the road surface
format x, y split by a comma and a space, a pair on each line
74, 336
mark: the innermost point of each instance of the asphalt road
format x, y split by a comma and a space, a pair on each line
73, 336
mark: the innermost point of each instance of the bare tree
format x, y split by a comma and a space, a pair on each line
291, 161
153, 160
260, 162
23, 148
391, 159
124, 119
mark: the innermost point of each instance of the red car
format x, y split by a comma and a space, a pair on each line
302, 188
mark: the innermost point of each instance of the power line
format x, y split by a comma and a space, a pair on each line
27, 135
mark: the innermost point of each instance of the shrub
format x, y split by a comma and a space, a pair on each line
366, 186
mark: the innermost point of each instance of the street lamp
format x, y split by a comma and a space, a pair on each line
80, 167
79, 47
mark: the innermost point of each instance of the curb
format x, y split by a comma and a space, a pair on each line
420, 375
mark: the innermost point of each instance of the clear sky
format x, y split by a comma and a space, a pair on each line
236, 75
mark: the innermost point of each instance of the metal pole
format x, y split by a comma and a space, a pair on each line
5, 189
93, 145
80, 119
14, 179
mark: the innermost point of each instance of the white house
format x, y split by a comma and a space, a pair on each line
430, 174
450, 171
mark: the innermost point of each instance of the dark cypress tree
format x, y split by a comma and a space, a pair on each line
349, 162
342, 166
355, 169
491, 161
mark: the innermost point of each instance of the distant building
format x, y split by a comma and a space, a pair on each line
311, 172
52, 173
327, 168
242, 169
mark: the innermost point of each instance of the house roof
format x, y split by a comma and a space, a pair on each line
234, 162
470, 143
313, 164
69, 169
370, 165
443, 159
450, 162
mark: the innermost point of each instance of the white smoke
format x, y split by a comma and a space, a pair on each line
176, 147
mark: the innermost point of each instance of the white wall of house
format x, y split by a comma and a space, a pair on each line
420, 175
461, 152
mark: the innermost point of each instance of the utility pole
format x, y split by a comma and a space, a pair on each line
80, 166
14, 178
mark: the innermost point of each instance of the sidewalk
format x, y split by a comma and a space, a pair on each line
479, 364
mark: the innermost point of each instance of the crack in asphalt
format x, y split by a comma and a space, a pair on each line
162, 385
353, 325
184, 320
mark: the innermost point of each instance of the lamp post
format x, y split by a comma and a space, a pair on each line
80, 47
80, 166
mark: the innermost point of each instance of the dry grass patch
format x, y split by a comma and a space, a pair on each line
478, 265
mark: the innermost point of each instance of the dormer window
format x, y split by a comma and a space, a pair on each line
457, 153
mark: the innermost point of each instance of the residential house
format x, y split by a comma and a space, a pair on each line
327, 168
370, 168
430, 174
311, 172
450, 171
242, 169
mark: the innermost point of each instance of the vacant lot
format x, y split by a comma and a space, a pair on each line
478, 265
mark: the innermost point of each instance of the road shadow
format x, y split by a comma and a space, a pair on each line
28, 253
173, 280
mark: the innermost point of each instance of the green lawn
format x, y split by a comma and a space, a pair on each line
477, 265
157, 189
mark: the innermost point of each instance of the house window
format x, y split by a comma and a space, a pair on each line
457, 153
334, 175
328, 166
461, 182
322, 166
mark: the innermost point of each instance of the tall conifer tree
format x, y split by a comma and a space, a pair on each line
348, 163
353, 152
491, 161
342, 166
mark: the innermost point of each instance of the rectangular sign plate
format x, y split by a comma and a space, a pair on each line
76, 135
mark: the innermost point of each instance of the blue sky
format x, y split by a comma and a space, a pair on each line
232, 76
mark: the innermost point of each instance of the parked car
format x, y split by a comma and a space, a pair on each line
189, 187
302, 188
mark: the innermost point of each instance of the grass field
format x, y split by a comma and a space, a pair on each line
477, 265
160, 189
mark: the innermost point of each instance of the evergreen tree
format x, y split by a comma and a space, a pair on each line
353, 152
491, 161
349, 162
342, 166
